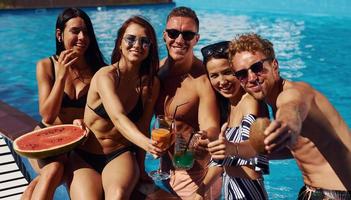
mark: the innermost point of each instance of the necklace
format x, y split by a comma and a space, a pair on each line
81, 77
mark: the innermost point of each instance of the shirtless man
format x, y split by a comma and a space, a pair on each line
184, 81
305, 121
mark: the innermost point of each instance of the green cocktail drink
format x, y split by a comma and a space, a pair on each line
183, 160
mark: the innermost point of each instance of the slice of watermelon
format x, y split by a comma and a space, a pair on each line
50, 141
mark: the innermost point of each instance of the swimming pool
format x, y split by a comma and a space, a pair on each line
313, 47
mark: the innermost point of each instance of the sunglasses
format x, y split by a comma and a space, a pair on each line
257, 68
132, 39
217, 50
174, 34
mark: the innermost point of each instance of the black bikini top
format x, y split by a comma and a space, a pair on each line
134, 115
67, 102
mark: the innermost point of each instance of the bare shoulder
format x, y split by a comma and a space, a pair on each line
300, 85
249, 105
297, 87
201, 82
198, 71
102, 76
103, 72
296, 91
248, 100
44, 70
44, 64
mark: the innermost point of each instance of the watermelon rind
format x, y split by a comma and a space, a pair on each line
49, 152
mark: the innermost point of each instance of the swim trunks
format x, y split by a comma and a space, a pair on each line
312, 193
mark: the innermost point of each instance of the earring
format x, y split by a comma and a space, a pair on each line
59, 39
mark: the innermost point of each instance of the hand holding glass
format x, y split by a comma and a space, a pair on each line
162, 135
183, 158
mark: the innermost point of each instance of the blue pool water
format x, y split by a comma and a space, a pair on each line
312, 46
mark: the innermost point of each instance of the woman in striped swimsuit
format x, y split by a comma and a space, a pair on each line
243, 168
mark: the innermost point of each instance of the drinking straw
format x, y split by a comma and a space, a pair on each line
187, 144
175, 112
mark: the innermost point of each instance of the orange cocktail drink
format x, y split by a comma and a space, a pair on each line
162, 136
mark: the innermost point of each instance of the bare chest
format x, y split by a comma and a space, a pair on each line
179, 99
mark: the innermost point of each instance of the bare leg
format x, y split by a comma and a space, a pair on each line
49, 178
120, 176
27, 194
85, 182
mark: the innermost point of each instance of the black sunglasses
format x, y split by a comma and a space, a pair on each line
257, 68
174, 34
217, 50
132, 39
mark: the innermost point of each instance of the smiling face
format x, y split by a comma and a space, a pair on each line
259, 85
134, 43
179, 48
75, 35
222, 78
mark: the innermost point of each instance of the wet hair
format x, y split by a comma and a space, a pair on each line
184, 12
251, 42
93, 54
150, 65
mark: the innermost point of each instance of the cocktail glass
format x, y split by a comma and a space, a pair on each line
183, 157
162, 135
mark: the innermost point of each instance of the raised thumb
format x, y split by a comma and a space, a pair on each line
223, 129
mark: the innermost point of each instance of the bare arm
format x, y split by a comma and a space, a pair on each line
293, 105
212, 175
149, 103
222, 148
144, 124
50, 92
208, 117
208, 109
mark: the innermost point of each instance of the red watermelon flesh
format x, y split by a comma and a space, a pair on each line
49, 141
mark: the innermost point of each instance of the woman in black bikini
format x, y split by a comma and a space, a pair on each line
118, 113
63, 83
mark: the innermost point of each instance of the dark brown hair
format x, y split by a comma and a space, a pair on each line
93, 54
184, 12
150, 65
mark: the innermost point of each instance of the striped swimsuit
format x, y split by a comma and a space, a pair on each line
241, 188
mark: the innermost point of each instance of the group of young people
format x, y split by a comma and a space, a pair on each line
230, 88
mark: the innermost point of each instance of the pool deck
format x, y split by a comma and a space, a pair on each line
33, 4
14, 177
14, 123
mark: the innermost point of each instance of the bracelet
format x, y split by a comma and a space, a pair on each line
237, 149
45, 124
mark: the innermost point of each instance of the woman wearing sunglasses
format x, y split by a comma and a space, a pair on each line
243, 168
118, 113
